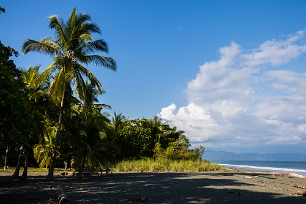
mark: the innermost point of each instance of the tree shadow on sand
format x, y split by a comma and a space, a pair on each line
147, 188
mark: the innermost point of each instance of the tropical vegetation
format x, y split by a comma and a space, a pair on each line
165, 165
53, 118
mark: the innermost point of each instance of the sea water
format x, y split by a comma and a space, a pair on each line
297, 167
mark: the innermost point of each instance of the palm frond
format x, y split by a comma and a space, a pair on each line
93, 80
98, 45
48, 71
85, 37
57, 86
81, 19
81, 86
97, 60
47, 46
30, 75
90, 27
102, 105
91, 95
59, 26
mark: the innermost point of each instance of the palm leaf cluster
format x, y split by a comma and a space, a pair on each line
72, 50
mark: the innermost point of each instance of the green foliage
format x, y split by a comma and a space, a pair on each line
15, 121
42, 109
135, 139
165, 165
11, 90
143, 138
87, 138
44, 150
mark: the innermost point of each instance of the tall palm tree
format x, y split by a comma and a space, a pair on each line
72, 49
35, 93
92, 146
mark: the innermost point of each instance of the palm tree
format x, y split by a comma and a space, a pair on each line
157, 131
90, 141
117, 121
35, 94
72, 49
44, 150
35, 83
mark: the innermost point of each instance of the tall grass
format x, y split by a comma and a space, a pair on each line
164, 165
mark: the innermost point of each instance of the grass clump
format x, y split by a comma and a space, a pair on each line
165, 165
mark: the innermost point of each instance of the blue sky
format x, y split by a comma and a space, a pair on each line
231, 74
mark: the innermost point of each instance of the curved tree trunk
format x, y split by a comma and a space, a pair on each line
5, 158
52, 162
17, 170
25, 168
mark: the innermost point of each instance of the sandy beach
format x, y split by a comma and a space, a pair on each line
234, 186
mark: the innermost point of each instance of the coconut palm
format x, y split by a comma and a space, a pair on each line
35, 91
90, 99
72, 49
44, 150
156, 131
35, 83
89, 139
117, 121
93, 145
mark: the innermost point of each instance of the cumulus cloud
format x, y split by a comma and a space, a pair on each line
238, 100
288, 81
275, 51
191, 118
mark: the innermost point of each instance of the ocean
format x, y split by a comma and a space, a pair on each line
297, 167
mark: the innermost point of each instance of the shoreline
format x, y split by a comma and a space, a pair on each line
297, 167
234, 185
300, 173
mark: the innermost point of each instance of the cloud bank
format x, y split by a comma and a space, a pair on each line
245, 98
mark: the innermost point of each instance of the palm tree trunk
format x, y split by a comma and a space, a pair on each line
17, 170
66, 164
5, 157
25, 168
81, 167
52, 162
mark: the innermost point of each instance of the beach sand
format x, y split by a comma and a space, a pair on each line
233, 186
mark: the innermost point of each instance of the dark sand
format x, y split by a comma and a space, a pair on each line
235, 186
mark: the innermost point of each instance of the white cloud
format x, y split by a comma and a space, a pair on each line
191, 119
276, 52
288, 81
238, 101
221, 79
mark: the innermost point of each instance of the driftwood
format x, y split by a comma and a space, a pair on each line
62, 197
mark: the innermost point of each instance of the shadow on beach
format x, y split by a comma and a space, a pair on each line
211, 187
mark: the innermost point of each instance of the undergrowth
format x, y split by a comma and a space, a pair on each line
164, 165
